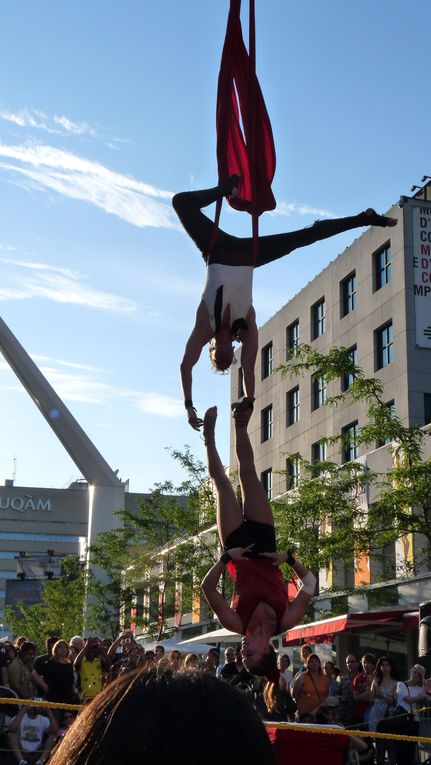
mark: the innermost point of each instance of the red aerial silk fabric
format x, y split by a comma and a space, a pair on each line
249, 151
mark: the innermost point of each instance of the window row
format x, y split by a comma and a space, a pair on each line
318, 452
382, 273
383, 355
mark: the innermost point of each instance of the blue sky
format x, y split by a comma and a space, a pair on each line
106, 110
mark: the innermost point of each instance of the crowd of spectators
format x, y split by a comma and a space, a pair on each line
368, 696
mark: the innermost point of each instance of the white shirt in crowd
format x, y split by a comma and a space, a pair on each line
32, 731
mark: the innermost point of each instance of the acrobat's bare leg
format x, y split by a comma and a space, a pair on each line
255, 501
229, 513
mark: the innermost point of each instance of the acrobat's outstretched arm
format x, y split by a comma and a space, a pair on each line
200, 336
226, 615
250, 344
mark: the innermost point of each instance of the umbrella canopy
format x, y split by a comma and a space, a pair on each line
171, 645
215, 636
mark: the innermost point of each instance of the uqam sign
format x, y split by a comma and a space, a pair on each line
25, 503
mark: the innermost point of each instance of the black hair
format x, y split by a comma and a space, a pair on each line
128, 723
26, 647
267, 666
378, 671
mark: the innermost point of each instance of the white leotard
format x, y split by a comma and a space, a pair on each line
236, 283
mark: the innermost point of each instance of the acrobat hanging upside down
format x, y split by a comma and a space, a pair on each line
225, 313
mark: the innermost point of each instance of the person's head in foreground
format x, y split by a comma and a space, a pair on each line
141, 718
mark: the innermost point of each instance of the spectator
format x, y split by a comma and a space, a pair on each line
128, 723
305, 652
238, 658
191, 662
384, 697
19, 641
283, 663
59, 677
69, 718
409, 696
229, 668
310, 688
159, 652
20, 671
347, 702
334, 687
77, 642
124, 659
44, 657
362, 688
174, 661
8, 653
327, 713
91, 663
150, 660
212, 661
31, 735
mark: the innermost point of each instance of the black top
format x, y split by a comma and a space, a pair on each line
39, 664
59, 679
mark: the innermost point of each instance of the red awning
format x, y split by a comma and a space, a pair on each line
324, 630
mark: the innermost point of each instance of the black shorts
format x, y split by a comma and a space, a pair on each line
262, 535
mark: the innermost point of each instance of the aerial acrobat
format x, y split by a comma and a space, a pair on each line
246, 167
226, 312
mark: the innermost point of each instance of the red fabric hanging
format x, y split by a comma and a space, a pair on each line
248, 149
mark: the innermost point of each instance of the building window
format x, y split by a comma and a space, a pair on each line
349, 436
292, 338
318, 451
349, 378
427, 408
382, 267
318, 392
24, 536
384, 347
293, 470
348, 294
266, 478
267, 360
390, 405
318, 319
266, 423
293, 406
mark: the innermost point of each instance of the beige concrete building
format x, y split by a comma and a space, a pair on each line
35, 520
375, 299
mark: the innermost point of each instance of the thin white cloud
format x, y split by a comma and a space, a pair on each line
287, 209
59, 124
63, 290
161, 406
37, 266
46, 167
76, 128
70, 364
83, 386
62, 285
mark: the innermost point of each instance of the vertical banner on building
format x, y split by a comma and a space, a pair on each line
362, 560
421, 225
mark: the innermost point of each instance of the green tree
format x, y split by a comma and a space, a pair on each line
323, 515
159, 553
60, 611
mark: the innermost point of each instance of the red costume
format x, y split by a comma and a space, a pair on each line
257, 581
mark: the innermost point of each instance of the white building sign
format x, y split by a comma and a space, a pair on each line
422, 274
